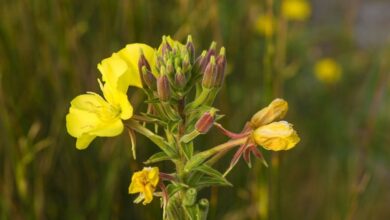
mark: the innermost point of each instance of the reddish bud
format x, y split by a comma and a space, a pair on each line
148, 78
210, 75
163, 88
205, 122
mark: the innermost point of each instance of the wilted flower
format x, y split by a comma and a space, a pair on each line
328, 71
277, 109
144, 182
276, 136
297, 10
90, 115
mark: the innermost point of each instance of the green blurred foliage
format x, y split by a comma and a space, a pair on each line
48, 54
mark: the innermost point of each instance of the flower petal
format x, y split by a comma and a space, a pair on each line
83, 141
131, 54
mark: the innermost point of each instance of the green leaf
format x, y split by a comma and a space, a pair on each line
209, 171
157, 157
172, 189
207, 176
207, 181
188, 150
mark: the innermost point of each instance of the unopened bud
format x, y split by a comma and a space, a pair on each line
277, 109
221, 65
190, 48
186, 63
170, 69
205, 122
190, 197
143, 62
200, 63
180, 78
210, 74
165, 47
163, 88
148, 78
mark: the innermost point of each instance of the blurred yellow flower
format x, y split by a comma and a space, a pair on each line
144, 182
296, 10
328, 71
265, 25
121, 69
277, 109
276, 136
90, 115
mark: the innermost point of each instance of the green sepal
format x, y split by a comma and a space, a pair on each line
157, 157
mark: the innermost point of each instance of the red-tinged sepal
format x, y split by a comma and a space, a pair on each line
230, 134
258, 154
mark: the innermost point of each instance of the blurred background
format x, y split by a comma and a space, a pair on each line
328, 59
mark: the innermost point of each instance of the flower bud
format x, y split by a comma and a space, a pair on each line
163, 88
200, 63
190, 197
180, 78
276, 136
277, 109
186, 63
190, 48
165, 47
221, 65
170, 69
143, 62
148, 78
205, 122
210, 74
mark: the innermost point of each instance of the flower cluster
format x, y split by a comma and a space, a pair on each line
180, 89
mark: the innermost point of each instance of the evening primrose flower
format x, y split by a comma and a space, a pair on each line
276, 136
91, 115
144, 182
273, 135
328, 71
265, 25
296, 10
121, 69
277, 109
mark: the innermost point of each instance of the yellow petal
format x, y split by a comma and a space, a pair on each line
119, 100
81, 117
148, 194
83, 141
153, 176
276, 136
114, 72
277, 109
131, 54
109, 129
135, 187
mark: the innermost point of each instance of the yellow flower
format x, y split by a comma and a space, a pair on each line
276, 136
328, 71
90, 115
297, 10
277, 109
265, 25
144, 182
121, 69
